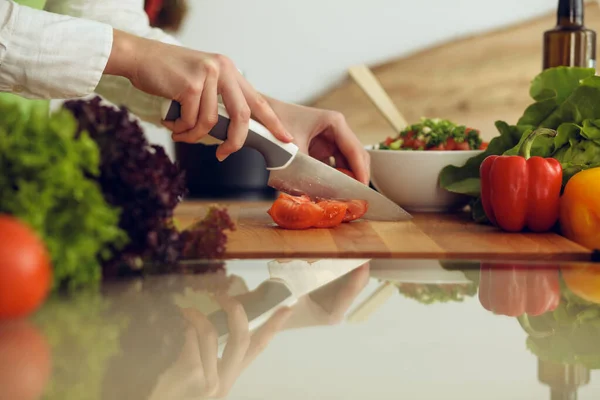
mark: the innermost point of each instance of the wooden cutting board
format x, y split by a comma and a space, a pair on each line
427, 236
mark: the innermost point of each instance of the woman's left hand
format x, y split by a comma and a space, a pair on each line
323, 134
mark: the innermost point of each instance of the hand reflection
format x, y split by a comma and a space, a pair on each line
328, 304
198, 371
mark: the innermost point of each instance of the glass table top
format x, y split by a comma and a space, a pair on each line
325, 329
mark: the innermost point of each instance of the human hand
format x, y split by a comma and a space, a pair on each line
323, 134
328, 304
195, 79
198, 372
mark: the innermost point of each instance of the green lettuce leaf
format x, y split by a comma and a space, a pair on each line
45, 182
567, 99
550, 89
572, 332
577, 147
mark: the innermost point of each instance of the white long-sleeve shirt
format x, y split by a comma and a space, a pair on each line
61, 52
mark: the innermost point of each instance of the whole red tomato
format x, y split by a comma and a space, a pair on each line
25, 271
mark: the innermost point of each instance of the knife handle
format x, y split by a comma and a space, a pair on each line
259, 305
276, 153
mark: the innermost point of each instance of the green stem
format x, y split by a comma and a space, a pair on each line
531, 331
525, 149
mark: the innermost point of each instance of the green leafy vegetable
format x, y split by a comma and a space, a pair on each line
569, 334
429, 294
567, 99
550, 89
44, 182
84, 334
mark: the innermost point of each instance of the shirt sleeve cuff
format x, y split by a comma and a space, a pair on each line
45, 55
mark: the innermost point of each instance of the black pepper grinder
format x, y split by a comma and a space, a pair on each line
564, 379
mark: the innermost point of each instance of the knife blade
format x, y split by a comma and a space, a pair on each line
295, 173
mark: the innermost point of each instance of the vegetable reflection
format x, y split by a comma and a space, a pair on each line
515, 290
571, 333
556, 306
25, 361
151, 339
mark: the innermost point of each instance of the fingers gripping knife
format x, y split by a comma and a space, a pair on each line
295, 173
288, 282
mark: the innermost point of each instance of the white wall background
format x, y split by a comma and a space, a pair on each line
295, 50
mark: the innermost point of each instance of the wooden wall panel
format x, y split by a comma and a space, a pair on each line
473, 81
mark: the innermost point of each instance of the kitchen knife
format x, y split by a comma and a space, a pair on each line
287, 283
295, 173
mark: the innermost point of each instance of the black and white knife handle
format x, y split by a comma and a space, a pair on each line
277, 154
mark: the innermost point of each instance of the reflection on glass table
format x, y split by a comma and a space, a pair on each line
347, 328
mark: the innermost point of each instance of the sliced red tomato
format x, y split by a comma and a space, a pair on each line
334, 213
483, 146
356, 209
439, 147
295, 214
388, 141
418, 144
347, 172
408, 140
450, 144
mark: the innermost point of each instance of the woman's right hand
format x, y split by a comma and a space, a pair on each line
194, 79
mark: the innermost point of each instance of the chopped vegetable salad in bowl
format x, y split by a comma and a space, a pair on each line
435, 134
406, 168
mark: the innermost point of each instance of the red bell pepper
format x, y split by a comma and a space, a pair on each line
519, 192
516, 290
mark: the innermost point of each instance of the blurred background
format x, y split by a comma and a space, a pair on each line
469, 61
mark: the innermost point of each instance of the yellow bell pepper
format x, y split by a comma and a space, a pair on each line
580, 209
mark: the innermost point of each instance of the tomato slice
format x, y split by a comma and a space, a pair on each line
483, 146
356, 209
439, 147
347, 172
418, 144
408, 140
334, 213
450, 144
295, 214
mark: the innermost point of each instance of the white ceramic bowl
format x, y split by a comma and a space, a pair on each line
411, 178
415, 271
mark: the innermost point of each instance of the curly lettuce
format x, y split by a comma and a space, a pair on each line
45, 182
